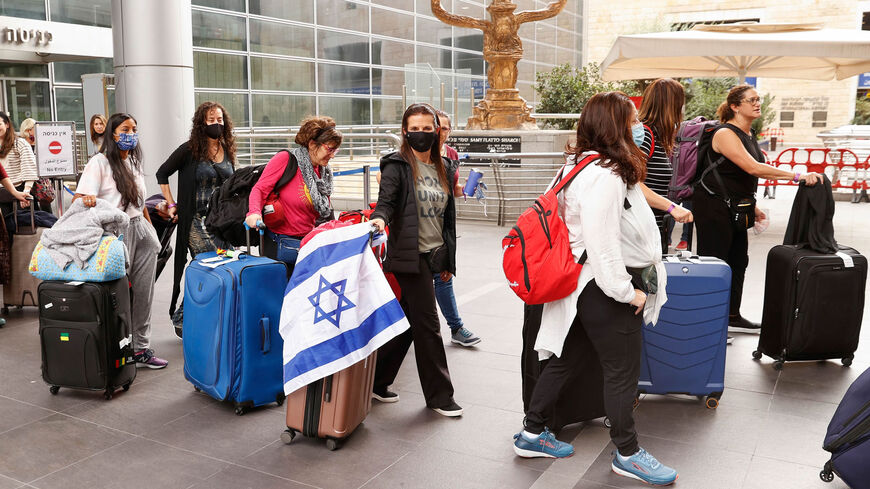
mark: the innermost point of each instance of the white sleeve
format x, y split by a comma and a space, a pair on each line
91, 177
27, 161
601, 207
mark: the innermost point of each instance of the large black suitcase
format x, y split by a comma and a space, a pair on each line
813, 304
86, 338
583, 398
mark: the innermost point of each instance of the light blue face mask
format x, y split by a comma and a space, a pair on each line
637, 133
127, 141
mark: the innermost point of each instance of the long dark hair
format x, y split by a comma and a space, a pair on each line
95, 136
662, 109
735, 97
125, 179
8, 140
605, 128
199, 140
434, 152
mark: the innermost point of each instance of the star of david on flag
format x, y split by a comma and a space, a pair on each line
338, 306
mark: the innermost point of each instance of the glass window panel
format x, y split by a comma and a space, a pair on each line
545, 54
545, 33
526, 71
27, 9
23, 70
425, 6
469, 61
567, 40
437, 58
86, 12
277, 38
400, 4
281, 110
343, 14
393, 24
565, 56
346, 110
339, 46
527, 91
219, 31
527, 31
566, 21
343, 79
237, 5
469, 9
236, 105
434, 32
282, 74
68, 102
301, 10
469, 39
28, 99
392, 53
72, 71
387, 82
387, 111
211, 70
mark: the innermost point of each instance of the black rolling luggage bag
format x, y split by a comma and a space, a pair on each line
813, 304
84, 329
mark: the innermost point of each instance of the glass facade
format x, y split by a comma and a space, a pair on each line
272, 62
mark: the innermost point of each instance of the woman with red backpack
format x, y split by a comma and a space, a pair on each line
611, 225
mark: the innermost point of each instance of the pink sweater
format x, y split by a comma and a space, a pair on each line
298, 209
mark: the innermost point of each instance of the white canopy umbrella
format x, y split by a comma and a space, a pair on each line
804, 51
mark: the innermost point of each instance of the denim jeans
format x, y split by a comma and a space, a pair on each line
282, 248
447, 301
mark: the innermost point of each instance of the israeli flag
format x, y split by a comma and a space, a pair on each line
338, 307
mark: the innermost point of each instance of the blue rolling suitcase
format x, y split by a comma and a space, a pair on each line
685, 352
232, 348
848, 437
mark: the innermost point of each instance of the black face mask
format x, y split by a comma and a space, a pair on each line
421, 141
214, 131
99, 134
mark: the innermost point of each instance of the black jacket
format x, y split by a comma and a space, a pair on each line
812, 218
398, 208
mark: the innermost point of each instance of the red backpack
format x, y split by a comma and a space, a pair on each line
537, 259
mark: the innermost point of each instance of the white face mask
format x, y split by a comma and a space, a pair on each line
637, 133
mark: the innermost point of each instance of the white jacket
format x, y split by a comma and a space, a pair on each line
613, 237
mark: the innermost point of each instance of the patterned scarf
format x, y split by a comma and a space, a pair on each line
320, 188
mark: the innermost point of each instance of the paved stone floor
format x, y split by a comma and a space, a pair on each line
767, 432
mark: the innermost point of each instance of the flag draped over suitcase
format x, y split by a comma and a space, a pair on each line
338, 307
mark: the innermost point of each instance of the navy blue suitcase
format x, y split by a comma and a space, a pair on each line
684, 353
232, 348
848, 437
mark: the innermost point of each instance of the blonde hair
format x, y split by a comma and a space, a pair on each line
26, 125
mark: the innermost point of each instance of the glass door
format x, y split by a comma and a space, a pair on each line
23, 99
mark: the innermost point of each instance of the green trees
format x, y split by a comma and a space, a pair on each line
862, 111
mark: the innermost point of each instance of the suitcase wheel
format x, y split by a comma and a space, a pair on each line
827, 473
777, 365
54, 390
197, 389
712, 401
756, 355
108, 395
240, 410
126, 386
847, 361
332, 444
288, 435
279, 399
607, 423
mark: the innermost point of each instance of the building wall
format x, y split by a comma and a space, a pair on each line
608, 19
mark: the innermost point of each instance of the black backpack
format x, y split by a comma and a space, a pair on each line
228, 205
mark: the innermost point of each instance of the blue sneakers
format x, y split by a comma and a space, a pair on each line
543, 445
644, 467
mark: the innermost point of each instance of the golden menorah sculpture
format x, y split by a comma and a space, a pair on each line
502, 108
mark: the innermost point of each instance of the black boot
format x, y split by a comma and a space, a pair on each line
740, 324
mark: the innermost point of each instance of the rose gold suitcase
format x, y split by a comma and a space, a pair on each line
332, 407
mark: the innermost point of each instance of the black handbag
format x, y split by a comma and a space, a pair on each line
437, 259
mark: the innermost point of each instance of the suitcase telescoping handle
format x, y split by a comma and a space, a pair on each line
32, 208
261, 227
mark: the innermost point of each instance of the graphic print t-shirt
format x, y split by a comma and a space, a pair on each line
431, 202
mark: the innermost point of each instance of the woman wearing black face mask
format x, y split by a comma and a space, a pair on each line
416, 201
203, 163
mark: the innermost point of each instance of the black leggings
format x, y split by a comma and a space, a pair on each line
615, 333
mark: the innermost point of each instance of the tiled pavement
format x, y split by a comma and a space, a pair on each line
767, 432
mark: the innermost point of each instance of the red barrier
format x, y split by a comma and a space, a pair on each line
831, 161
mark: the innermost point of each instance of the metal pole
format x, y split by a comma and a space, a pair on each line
442, 97
404, 96
431, 95
455, 103
367, 186
58, 195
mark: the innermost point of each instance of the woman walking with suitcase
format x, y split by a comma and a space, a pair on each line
610, 223
724, 202
17, 159
416, 201
203, 162
116, 176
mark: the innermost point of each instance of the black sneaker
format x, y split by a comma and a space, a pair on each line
385, 396
450, 410
739, 324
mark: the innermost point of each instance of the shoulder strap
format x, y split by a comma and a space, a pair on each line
652, 144
574, 171
289, 171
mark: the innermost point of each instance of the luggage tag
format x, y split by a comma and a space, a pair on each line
126, 341
217, 264
848, 262
74, 283
672, 259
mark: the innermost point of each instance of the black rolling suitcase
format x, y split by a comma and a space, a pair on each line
582, 399
813, 304
84, 329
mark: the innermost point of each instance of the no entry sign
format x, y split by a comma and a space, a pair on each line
55, 149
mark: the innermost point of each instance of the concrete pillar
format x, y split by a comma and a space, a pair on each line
153, 57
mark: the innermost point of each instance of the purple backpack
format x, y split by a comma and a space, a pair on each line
684, 158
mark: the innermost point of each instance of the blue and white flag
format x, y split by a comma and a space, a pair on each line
338, 307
